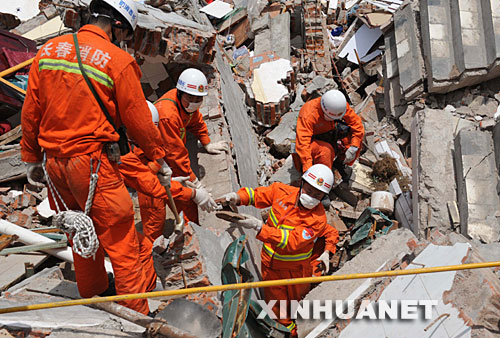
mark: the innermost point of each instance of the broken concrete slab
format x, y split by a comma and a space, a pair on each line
433, 184
410, 62
276, 37
421, 287
281, 138
11, 166
477, 179
383, 250
461, 42
287, 174
243, 137
393, 98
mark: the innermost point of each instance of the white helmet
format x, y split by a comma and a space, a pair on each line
334, 105
127, 8
154, 113
193, 81
320, 177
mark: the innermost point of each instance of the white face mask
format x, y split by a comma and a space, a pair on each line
193, 106
307, 201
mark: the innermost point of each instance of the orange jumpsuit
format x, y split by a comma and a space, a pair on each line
288, 238
141, 175
61, 118
173, 124
312, 122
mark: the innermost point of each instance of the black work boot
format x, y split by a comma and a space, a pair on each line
111, 290
345, 171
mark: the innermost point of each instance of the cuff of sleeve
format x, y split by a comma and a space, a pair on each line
154, 167
244, 198
205, 140
31, 158
331, 248
155, 153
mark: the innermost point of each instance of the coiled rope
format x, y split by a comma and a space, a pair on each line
77, 224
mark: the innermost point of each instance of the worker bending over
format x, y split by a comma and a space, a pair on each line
295, 221
62, 119
328, 132
179, 112
139, 173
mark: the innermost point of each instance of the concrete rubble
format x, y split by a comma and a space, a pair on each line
424, 78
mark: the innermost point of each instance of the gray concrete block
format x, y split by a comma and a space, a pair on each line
273, 34
476, 185
461, 42
441, 59
410, 62
281, 138
477, 51
432, 167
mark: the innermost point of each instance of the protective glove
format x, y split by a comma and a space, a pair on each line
196, 184
250, 222
204, 200
216, 148
350, 154
165, 175
233, 198
35, 174
325, 259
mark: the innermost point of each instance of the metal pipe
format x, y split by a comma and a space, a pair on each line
16, 68
251, 285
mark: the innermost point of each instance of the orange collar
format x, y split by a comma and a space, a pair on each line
95, 30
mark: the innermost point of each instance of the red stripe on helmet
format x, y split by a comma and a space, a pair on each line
191, 86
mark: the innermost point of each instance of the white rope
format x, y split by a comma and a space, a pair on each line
77, 224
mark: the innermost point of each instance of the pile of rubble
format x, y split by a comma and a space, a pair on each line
422, 75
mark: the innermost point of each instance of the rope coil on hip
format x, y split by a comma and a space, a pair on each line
77, 224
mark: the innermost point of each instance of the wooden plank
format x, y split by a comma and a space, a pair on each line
12, 268
10, 133
6, 240
34, 247
232, 20
240, 32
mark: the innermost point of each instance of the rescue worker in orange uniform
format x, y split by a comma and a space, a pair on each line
320, 124
295, 221
179, 112
62, 121
139, 173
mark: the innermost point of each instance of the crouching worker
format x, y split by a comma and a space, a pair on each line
296, 220
148, 179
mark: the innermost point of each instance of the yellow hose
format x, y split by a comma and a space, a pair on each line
262, 284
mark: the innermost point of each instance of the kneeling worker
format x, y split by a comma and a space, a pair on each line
328, 132
295, 221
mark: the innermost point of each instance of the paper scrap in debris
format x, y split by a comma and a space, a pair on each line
362, 41
333, 4
217, 9
266, 85
44, 209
